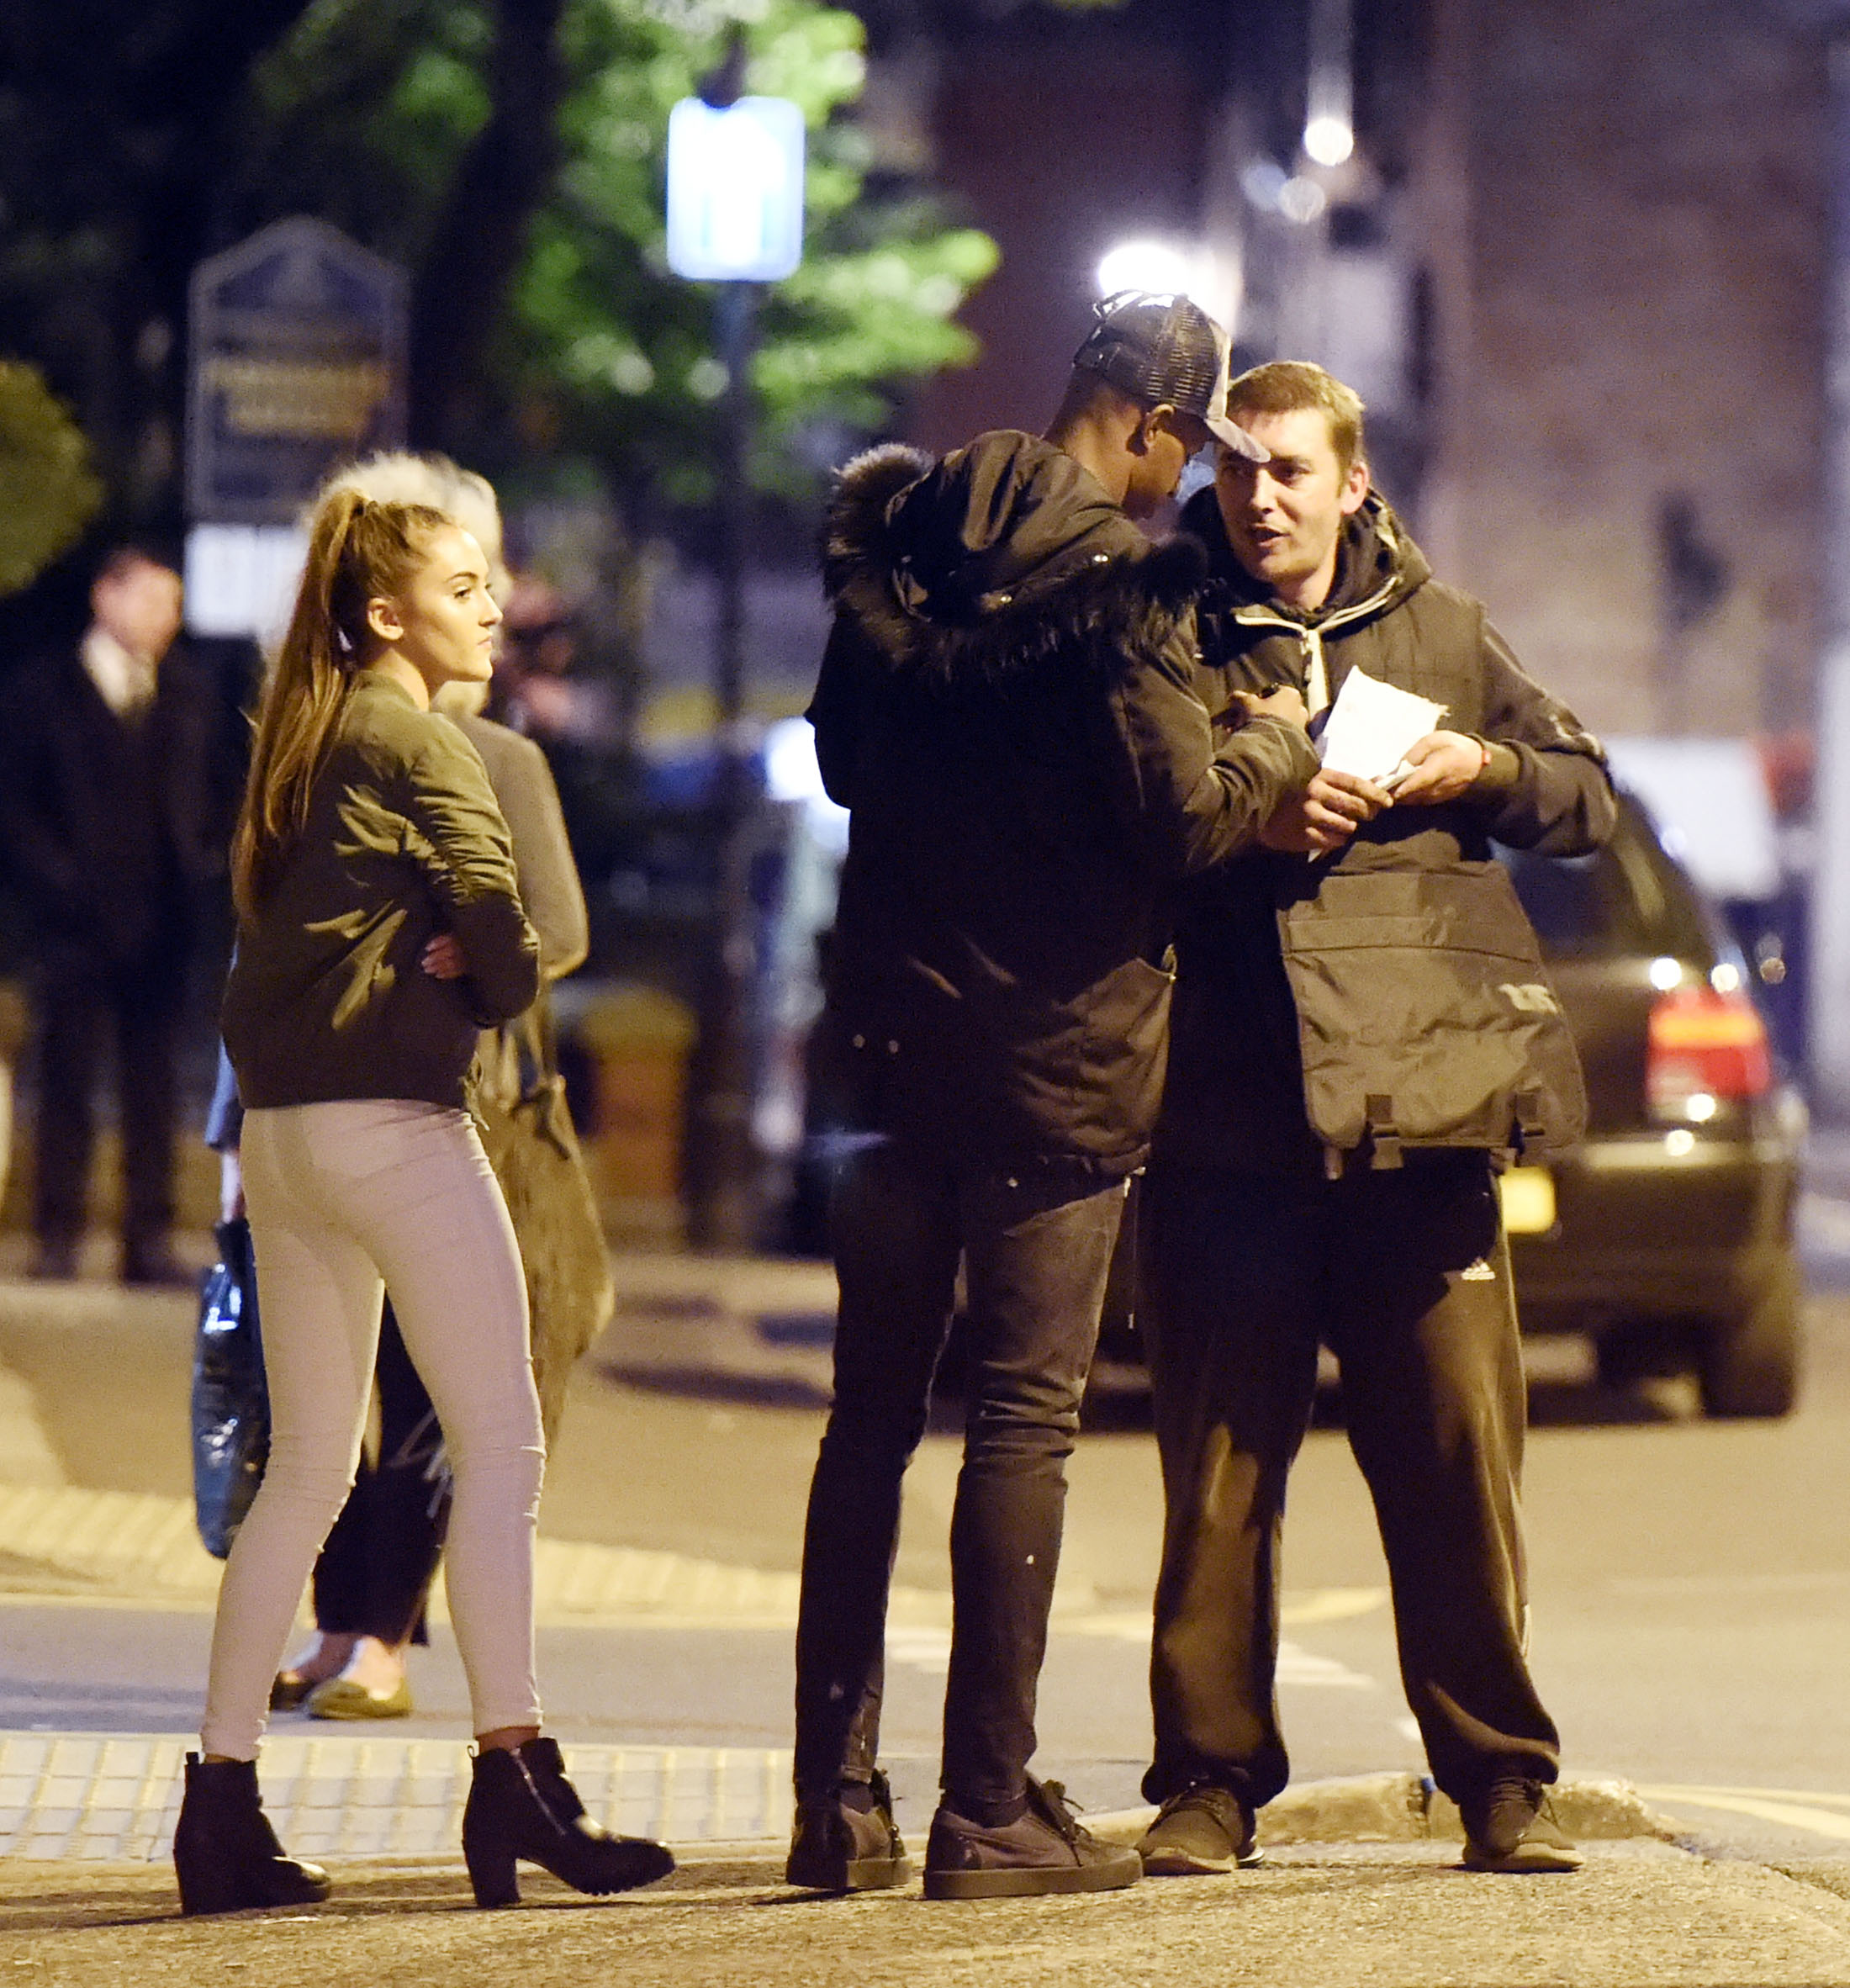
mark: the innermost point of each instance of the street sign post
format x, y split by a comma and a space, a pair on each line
297, 344
735, 217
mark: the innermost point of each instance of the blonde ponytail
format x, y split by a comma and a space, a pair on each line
358, 551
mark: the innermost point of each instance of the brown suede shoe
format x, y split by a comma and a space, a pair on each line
834, 1848
1044, 1851
1204, 1831
1509, 1828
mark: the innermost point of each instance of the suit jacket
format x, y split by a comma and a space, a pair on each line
108, 824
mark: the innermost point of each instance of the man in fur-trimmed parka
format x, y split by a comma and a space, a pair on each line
1007, 707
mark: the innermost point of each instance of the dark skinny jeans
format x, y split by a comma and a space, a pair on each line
1036, 1248
377, 1566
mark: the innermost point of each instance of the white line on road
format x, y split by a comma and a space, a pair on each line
1792, 1809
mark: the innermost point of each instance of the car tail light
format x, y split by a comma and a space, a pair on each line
1705, 1048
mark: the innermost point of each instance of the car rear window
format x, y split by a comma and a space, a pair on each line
1627, 900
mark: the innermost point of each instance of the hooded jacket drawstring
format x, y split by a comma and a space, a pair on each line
1310, 638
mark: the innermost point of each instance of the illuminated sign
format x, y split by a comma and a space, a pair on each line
734, 190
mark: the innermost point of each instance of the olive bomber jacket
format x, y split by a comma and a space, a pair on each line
327, 998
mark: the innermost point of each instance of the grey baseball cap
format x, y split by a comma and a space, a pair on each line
1168, 350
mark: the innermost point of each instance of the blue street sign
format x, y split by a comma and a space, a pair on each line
734, 190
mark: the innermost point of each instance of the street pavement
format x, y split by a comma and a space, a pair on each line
1692, 1591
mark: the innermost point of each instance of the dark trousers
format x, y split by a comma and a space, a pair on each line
1405, 1275
84, 1005
1036, 1249
377, 1563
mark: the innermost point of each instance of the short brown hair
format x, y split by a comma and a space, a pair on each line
1282, 386
120, 562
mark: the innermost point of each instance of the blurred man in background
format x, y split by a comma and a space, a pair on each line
105, 753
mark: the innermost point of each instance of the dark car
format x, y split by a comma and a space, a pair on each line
1666, 1234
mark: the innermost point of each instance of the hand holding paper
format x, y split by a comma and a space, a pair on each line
1372, 726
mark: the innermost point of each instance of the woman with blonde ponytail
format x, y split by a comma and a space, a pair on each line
380, 928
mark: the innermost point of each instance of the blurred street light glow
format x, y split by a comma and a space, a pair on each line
792, 774
1329, 88
734, 190
1329, 140
1262, 181
1175, 269
1162, 267
1302, 200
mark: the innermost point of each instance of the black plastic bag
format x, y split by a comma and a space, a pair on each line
230, 1401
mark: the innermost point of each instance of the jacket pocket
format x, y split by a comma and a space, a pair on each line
1088, 1070
1425, 1016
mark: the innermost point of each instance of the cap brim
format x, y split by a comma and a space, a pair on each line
1237, 439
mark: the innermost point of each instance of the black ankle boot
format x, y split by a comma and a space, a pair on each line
225, 1853
521, 1804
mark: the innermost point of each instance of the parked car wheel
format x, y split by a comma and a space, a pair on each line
1749, 1365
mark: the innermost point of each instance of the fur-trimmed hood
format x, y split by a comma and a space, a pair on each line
992, 564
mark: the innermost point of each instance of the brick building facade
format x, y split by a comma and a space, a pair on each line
1623, 208
1615, 212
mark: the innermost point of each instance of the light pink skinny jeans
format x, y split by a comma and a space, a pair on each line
345, 1199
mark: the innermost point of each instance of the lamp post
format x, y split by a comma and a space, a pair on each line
1828, 935
735, 217
1330, 115
1830, 963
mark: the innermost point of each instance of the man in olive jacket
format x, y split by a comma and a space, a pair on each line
1007, 707
1375, 1229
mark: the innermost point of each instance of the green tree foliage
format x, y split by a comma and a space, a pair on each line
602, 356
47, 492
115, 131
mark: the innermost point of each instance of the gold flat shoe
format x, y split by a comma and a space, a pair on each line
287, 1692
342, 1698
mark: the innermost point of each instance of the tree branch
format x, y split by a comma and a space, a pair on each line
457, 294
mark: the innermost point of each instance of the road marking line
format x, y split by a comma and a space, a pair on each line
28, 1455
922, 1649
1674, 1587
1330, 1605
1298, 1666
1789, 1812
1297, 1611
143, 1550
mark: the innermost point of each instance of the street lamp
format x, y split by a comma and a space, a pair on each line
1161, 268
1174, 269
1329, 109
1827, 950
735, 217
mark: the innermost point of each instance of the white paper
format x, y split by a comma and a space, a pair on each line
1371, 724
